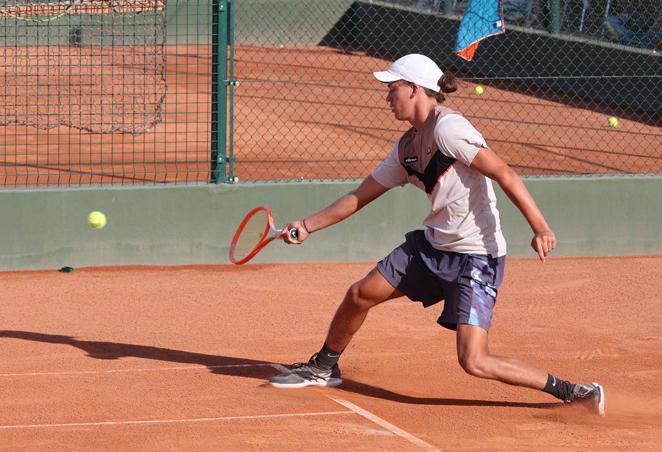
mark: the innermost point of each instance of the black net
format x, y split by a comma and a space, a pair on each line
92, 65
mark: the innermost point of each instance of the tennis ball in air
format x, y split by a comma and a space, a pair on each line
96, 220
479, 90
613, 121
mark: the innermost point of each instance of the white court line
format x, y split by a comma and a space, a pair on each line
376, 419
148, 369
170, 421
353, 409
387, 425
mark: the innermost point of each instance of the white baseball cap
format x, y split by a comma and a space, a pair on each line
414, 68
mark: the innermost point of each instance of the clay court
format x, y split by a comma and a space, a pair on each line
177, 358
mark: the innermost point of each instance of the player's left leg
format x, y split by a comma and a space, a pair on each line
469, 308
475, 358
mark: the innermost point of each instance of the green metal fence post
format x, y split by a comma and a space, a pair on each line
219, 72
232, 83
556, 16
448, 6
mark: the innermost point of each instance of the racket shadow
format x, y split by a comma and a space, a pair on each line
218, 364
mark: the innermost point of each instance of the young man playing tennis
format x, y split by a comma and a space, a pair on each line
458, 258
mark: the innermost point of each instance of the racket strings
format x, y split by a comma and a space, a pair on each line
251, 235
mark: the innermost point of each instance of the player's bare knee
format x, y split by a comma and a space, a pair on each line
474, 365
357, 299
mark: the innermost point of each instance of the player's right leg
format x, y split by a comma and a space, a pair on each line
405, 268
322, 368
362, 296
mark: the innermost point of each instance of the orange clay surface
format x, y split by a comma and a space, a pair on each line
177, 358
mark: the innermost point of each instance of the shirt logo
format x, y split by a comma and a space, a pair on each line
411, 159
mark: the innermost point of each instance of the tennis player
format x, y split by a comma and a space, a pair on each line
459, 257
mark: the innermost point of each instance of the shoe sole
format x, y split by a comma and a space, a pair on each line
600, 406
331, 382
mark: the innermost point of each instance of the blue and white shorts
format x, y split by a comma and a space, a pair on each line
468, 283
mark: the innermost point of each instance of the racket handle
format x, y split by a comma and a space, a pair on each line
294, 234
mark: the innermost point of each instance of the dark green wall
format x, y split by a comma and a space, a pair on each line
44, 229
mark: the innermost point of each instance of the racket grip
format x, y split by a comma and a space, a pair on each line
294, 234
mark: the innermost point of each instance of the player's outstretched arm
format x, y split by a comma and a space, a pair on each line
492, 166
343, 207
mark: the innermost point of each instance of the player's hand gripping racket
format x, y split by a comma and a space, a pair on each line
256, 231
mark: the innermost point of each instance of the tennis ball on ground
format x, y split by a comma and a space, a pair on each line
613, 121
96, 220
479, 90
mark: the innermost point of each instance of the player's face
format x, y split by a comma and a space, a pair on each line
400, 100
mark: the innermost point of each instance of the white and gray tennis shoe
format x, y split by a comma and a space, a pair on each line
307, 374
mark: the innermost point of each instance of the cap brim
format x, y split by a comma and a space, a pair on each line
386, 76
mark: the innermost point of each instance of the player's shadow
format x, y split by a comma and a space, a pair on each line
381, 393
226, 365
241, 367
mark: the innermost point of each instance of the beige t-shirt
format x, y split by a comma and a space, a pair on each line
463, 216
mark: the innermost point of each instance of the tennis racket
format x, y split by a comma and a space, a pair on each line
256, 231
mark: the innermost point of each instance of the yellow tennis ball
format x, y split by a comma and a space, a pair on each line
613, 121
96, 220
479, 90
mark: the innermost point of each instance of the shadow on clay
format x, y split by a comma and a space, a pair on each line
381, 393
242, 367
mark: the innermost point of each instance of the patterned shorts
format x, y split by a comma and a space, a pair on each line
468, 283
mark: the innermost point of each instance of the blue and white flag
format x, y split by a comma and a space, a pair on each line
483, 18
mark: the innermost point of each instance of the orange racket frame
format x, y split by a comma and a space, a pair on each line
269, 233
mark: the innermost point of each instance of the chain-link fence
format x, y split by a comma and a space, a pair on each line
309, 108
636, 23
105, 92
137, 91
